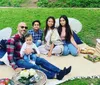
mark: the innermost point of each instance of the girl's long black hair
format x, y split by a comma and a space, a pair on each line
68, 29
47, 27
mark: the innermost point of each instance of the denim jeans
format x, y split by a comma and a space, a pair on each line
38, 43
41, 64
69, 49
30, 57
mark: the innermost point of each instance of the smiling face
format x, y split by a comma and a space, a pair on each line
28, 40
36, 26
50, 22
22, 28
62, 22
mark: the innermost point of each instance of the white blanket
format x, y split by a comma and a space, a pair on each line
80, 67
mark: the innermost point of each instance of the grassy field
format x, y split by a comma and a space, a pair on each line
90, 18
84, 81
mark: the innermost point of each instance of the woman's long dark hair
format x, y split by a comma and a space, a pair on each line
68, 30
47, 27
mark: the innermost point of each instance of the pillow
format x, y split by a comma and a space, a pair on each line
76, 38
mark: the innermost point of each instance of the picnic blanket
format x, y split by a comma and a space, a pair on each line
80, 67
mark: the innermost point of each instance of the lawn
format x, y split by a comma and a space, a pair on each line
83, 81
90, 19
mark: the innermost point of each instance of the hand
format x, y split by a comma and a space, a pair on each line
38, 55
78, 50
49, 54
28, 51
19, 69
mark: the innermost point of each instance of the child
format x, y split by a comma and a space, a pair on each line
30, 57
36, 32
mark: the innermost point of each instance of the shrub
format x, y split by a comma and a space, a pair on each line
69, 3
14, 3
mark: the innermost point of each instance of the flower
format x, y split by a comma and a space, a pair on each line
32, 72
24, 73
28, 76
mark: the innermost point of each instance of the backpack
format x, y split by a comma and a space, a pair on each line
2, 49
3, 44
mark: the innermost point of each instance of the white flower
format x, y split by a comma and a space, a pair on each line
32, 72
24, 73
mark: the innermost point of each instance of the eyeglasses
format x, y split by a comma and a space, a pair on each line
24, 27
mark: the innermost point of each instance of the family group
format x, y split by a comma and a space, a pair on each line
24, 48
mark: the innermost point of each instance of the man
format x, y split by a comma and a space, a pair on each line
36, 33
14, 45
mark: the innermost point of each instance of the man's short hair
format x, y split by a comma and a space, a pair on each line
36, 21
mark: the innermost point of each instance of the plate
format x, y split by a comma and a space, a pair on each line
6, 81
42, 80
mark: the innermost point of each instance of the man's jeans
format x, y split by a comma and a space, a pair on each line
41, 64
69, 49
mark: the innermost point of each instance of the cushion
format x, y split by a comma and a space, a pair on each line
76, 38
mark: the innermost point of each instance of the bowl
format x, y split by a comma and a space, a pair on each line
42, 80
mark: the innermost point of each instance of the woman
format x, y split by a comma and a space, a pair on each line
53, 43
66, 35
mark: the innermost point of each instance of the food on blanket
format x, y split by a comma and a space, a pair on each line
93, 58
87, 50
90, 51
6, 81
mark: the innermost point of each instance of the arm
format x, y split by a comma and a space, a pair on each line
10, 51
37, 50
74, 43
51, 48
22, 51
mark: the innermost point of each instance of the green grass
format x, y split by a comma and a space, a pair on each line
90, 18
83, 81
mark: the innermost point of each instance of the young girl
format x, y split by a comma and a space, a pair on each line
53, 43
66, 35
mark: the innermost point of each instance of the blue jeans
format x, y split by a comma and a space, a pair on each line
69, 49
30, 57
41, 64
38, 43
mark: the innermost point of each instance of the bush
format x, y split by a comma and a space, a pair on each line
69, 3
14, 3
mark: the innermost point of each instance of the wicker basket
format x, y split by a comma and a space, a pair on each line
98, 46
42, 80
